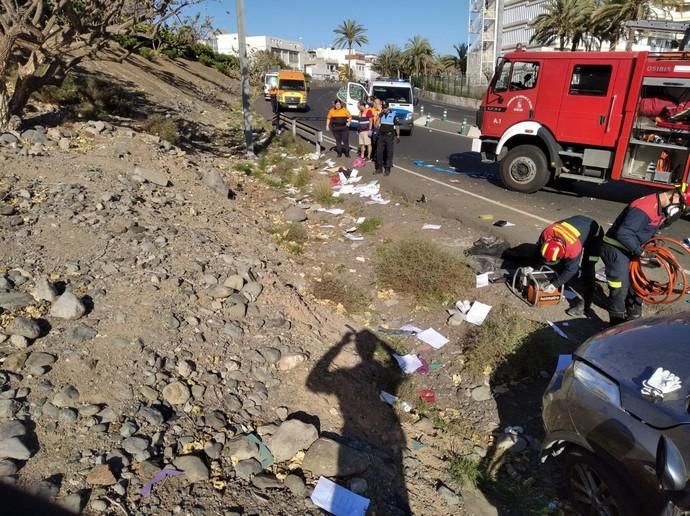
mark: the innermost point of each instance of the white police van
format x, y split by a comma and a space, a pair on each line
398, 94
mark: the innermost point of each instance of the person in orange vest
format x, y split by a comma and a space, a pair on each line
573, 244
338, 121
274, 98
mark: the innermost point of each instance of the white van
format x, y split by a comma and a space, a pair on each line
270, 81
397, 93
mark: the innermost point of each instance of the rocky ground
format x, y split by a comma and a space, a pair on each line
156, 323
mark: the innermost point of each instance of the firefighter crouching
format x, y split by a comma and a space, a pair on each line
572, 244
636, 224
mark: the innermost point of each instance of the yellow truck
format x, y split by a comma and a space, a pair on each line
292, 90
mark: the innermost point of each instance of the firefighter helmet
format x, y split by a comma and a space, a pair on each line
552, 250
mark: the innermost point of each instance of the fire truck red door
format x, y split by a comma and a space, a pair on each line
590, 108
511, 98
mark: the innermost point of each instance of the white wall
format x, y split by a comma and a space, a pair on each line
291, 52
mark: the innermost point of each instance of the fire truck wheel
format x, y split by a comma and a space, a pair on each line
525, 169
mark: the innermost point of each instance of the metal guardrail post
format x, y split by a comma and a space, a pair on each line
294, 127
319, 141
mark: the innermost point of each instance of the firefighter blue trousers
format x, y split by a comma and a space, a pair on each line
623, 303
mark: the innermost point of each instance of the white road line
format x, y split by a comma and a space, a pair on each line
463, 191
476, 196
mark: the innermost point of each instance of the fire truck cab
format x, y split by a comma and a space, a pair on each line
588, 116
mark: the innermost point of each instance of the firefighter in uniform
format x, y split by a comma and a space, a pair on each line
388, 135
573, 243
625, 239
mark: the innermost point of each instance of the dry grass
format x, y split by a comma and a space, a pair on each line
323, 193
370, 225
508, 346
292, 236
350, 296
161, 126
423, 270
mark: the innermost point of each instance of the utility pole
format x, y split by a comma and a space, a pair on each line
244, 71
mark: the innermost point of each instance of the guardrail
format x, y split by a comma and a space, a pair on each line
298, 128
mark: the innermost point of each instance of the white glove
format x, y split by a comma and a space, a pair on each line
660, 383
550, 289
527, 270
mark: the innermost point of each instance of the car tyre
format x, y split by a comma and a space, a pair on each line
524, 169
595, 489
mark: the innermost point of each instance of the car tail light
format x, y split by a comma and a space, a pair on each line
597, 383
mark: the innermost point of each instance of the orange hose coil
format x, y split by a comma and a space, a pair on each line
663, 251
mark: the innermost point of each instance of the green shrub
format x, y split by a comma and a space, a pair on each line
422, 269
147, 53
369, 225
163, 127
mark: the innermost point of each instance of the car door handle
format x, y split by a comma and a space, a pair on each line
602, 119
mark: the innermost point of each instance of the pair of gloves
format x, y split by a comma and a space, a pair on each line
660, 383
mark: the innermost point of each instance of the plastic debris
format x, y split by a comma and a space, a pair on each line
338, 500
159, 477
431, 226
424, 368
265, 455
427, 395
486, 216
353, 236
503, 224
408, 363
417, 444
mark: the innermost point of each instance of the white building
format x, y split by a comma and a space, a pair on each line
497, 26
325, 62
291, 52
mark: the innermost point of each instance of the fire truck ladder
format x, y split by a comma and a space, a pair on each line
663, 26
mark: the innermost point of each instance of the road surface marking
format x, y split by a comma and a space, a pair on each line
461, 190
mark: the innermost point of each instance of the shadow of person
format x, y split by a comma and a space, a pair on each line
352, 372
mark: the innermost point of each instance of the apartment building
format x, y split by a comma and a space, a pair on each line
291, 52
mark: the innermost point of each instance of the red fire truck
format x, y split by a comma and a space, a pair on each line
588, 116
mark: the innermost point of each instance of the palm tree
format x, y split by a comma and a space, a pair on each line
562, 21
614, 13
457, 61
418, 53
388, 61
350, 33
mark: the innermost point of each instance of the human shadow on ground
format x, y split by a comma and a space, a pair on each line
513, 478
350, 371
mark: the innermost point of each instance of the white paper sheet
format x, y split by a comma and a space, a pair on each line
327, 226
337, 500
477, 314
411, 328
353, 236
433, 338
361, 220
482, 280
332, 211
330, 163
431, 226
408, 363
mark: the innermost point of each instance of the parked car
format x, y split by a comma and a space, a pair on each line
609, 435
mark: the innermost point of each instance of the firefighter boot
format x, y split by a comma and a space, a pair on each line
634, 311
577, 309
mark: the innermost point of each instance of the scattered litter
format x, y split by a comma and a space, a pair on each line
359, 162
410, 328
457, 379
661, 382
265, 455
422, 199
427, 395
332, 211
313, 156
159, 477
408, 363
283, 155
503, 224
330, 163
431, 226
433, 338
477, 314
338, 500
563, 362
424, 368
406, 330
417, 444
482, 280
361, 220
392, 400
351, 230
360, 259
558, 330
435, 366
486, 216
327, 226
464, 306
353, 236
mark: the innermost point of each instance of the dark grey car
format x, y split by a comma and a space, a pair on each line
608, 433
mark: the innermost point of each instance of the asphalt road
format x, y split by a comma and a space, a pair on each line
461, 187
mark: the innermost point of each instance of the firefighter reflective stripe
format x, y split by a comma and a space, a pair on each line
567, 231
594, 259
615, 284
554, 253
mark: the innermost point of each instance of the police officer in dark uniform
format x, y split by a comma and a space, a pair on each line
573, 244
625, 239
388, 135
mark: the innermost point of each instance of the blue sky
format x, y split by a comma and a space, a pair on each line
443, 22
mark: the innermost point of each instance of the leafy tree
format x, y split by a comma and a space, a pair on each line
457, 61
262, 61
613, 14
563, 21
47, 38
389, 61
417, 55
350, 33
